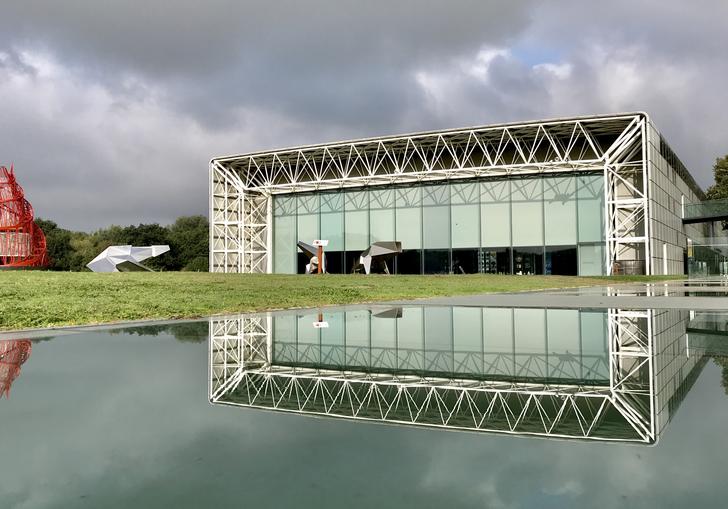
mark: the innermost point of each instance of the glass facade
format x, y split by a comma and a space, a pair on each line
520, 344
536, 225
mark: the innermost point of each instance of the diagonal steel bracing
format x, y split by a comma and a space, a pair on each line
241, 186
243, 372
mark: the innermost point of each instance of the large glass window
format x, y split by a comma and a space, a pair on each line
410, 339
559, 210
438, 339
530, 339
333, 340
594, 345
409, 262
332, 220
332, 229
309, 339
437, 261
498, 340
590, 192
465, 215
334, 261
356, 220
284, 237
357, 338
284, 334
497, 260
351, 261
564, 344
436, 216
495, 213
561, 260
528, 260
527, 209
381, 214
466, 261
308, 218
409, 216
467, 339
591, 260
460, 227
384, 341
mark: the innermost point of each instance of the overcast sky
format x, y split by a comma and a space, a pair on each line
111, 110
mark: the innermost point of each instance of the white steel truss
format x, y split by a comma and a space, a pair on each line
242, 374
241, 186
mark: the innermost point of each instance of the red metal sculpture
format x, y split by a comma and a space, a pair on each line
13, 354
22, 243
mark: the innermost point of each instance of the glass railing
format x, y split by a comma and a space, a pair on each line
711, 209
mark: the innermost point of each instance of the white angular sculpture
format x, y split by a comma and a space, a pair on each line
125, 258
380, 252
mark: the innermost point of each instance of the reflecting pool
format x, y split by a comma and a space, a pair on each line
412, 406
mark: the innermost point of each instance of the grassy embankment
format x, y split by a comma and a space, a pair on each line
44, 299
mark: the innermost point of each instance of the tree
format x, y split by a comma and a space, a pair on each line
722, 361
720, 173
189, 242
187, 239
58, 245
150, 235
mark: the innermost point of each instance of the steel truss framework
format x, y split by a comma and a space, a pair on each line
241, 186
242, 374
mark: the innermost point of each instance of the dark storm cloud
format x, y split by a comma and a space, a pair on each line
304, 58
116, 106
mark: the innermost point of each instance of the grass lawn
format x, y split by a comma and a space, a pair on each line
30, 299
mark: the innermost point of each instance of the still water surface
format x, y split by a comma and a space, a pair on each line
123, 418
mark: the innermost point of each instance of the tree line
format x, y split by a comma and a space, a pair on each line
187, 237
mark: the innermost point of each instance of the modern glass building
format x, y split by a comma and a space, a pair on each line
586, 195
587, 374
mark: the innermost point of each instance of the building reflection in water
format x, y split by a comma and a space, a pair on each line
591, 374
13, 353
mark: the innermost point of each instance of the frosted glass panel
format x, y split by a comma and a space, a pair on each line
530, 335
465, 215
356, 327
332, 340
527, 210
308, 218
307, 228
409, 218
436, 216
284, 234
498, 339
332, 220
467, 339
410, 339
356, 220
284, 245
591, 260
438, 339
384, 333
560, 210
590, 192
564, 344
381, 215
495, 213
594, 345
284, 338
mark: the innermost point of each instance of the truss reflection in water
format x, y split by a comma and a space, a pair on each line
13, 354
569, 373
